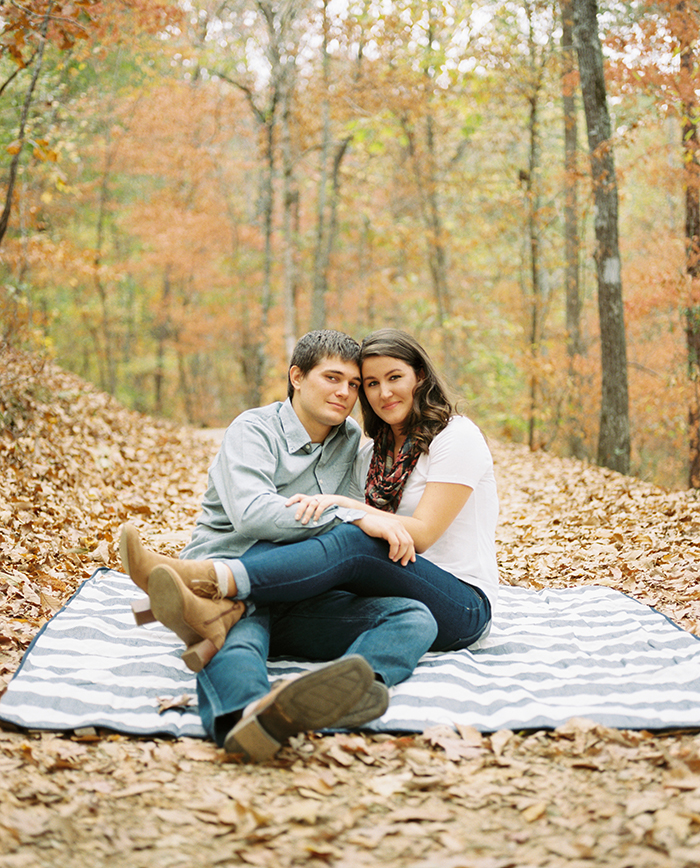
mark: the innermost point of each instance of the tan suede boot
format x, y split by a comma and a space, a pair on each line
138, 561
201, 624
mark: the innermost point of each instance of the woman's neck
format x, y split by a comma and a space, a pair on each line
399, 440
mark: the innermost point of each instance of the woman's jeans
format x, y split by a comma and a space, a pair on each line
391, 633
347, 559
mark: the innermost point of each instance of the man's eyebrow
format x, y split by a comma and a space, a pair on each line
341, 373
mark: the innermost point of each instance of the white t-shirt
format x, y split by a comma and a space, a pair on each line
458, 454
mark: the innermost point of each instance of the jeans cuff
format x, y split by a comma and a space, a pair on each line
241, 577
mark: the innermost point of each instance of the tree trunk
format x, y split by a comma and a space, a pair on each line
267, 212
571, 233
687, 33
278, 22
290, 210
252, 354
14, 164
533, 229
328, 194
425, 174
571, 230
437, 251
538, 58
107, 362
161, 333
320, 272
614, 433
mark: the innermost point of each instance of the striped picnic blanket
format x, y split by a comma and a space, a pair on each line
551, 655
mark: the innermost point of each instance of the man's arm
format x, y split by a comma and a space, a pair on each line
254, 476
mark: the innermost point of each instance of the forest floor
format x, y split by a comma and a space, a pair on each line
74, 465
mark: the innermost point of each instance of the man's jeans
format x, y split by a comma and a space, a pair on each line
391, 634
347, 559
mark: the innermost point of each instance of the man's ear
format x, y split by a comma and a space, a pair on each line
296, 375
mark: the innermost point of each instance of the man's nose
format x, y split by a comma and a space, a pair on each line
343, 388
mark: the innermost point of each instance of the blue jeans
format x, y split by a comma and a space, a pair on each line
347, 559
391, 634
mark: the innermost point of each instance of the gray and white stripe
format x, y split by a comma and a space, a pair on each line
551, 655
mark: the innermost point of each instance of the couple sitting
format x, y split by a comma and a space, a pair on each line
310, 546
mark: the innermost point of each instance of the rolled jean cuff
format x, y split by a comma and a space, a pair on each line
241, 577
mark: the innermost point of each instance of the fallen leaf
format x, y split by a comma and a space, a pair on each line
387, 785
166, 703
499, 740
535, 812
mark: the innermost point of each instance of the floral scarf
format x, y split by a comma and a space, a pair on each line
386, 480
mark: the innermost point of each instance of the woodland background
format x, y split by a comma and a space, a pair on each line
190, 186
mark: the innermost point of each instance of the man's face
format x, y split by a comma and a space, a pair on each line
325, 396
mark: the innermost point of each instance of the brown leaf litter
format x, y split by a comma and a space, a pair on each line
74, 464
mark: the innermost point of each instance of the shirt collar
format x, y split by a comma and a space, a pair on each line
296, 435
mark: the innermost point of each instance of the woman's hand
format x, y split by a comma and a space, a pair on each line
312, 506
386, 526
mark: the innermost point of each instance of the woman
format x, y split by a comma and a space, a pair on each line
428, 468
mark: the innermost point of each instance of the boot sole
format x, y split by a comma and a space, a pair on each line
315, 700
371, 706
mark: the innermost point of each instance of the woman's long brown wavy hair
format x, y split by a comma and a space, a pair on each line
432, 407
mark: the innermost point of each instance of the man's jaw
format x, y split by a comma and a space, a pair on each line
339, 408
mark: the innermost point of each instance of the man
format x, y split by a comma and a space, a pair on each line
305, 445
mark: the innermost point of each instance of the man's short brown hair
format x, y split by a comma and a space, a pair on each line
318, 345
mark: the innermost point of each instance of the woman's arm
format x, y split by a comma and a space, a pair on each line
439, 506
458, 457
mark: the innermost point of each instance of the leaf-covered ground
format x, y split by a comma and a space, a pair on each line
74, 465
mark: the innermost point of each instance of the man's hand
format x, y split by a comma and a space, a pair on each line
387, 527
312, 506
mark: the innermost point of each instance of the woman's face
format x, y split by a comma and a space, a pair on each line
389, 385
